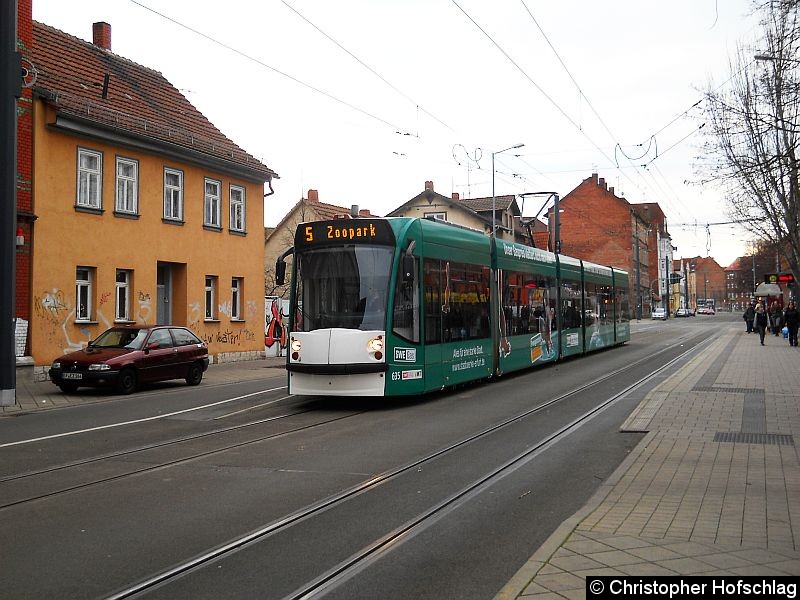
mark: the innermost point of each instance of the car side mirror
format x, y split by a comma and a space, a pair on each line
153, 346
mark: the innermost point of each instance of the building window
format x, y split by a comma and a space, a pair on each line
237, 208
212, 215
127, 185
236, 299
90, 170
83, 293
123, 294
173, 195
439, 216
211, 297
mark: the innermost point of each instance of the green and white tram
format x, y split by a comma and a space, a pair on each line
402, 306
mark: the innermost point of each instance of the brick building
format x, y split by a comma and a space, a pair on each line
598, 226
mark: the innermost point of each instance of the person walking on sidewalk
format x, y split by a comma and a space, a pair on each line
761, 321
792, 320
775, 318
748, 316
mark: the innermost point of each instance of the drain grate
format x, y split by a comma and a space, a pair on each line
743, 437
729, 390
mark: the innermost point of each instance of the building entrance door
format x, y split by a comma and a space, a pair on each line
164, 293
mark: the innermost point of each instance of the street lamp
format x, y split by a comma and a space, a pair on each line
494, 198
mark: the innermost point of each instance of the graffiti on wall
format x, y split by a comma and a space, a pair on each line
54, 315
145, 309
275, 313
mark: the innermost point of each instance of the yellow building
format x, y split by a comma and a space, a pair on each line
145, 212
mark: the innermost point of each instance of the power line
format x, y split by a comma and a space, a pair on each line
366, 66
271, 68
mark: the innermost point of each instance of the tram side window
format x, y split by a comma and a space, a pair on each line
431, 280
571, 303
465, 309
606, 304
599, 304
405, 322
623, 305
529, 302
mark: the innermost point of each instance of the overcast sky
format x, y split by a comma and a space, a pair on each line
365, 100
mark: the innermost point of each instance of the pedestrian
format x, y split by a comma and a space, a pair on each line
748, 316
761, 321
775, 318
792, 319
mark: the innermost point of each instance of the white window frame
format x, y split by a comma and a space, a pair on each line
237, 286
238, 207
212, 213
84, 277
173, 195
89, 177
122, 295
211, 298
439, 216
127, 195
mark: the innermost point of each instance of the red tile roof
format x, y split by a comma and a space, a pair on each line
85, 81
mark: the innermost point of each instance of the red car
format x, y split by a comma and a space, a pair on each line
125, 356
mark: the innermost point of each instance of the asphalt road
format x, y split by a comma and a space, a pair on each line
132, 493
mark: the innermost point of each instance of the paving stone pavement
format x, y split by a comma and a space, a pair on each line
712, 489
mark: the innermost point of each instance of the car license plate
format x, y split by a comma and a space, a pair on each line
72, 376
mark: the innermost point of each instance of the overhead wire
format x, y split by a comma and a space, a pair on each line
270, 67
366, 66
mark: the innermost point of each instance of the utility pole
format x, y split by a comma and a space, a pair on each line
10, 90
638, 272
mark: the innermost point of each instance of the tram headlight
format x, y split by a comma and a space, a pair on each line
296, 345
375, 345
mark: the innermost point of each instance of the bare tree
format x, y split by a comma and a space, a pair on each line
284, 238
753, 132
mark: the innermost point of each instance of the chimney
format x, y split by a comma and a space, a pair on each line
313, 196
429, 186
602, 182
611, 189
456, 197
101, 35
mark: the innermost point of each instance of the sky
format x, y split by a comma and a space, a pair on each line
366, 100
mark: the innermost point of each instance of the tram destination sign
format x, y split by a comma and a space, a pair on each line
343, 231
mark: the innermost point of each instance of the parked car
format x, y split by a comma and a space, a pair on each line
705, 310
125, 356
659, 313
683, 312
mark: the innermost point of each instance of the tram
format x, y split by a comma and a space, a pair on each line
404, 306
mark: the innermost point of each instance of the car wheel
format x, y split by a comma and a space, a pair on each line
126, 383
195, 374
68, 388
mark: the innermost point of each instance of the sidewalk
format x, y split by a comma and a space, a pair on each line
44, 395
712, 489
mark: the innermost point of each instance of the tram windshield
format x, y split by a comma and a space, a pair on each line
342, 286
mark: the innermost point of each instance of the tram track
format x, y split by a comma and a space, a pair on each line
369, 553
161, 465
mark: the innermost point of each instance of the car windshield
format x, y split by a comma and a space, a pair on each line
120, 338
